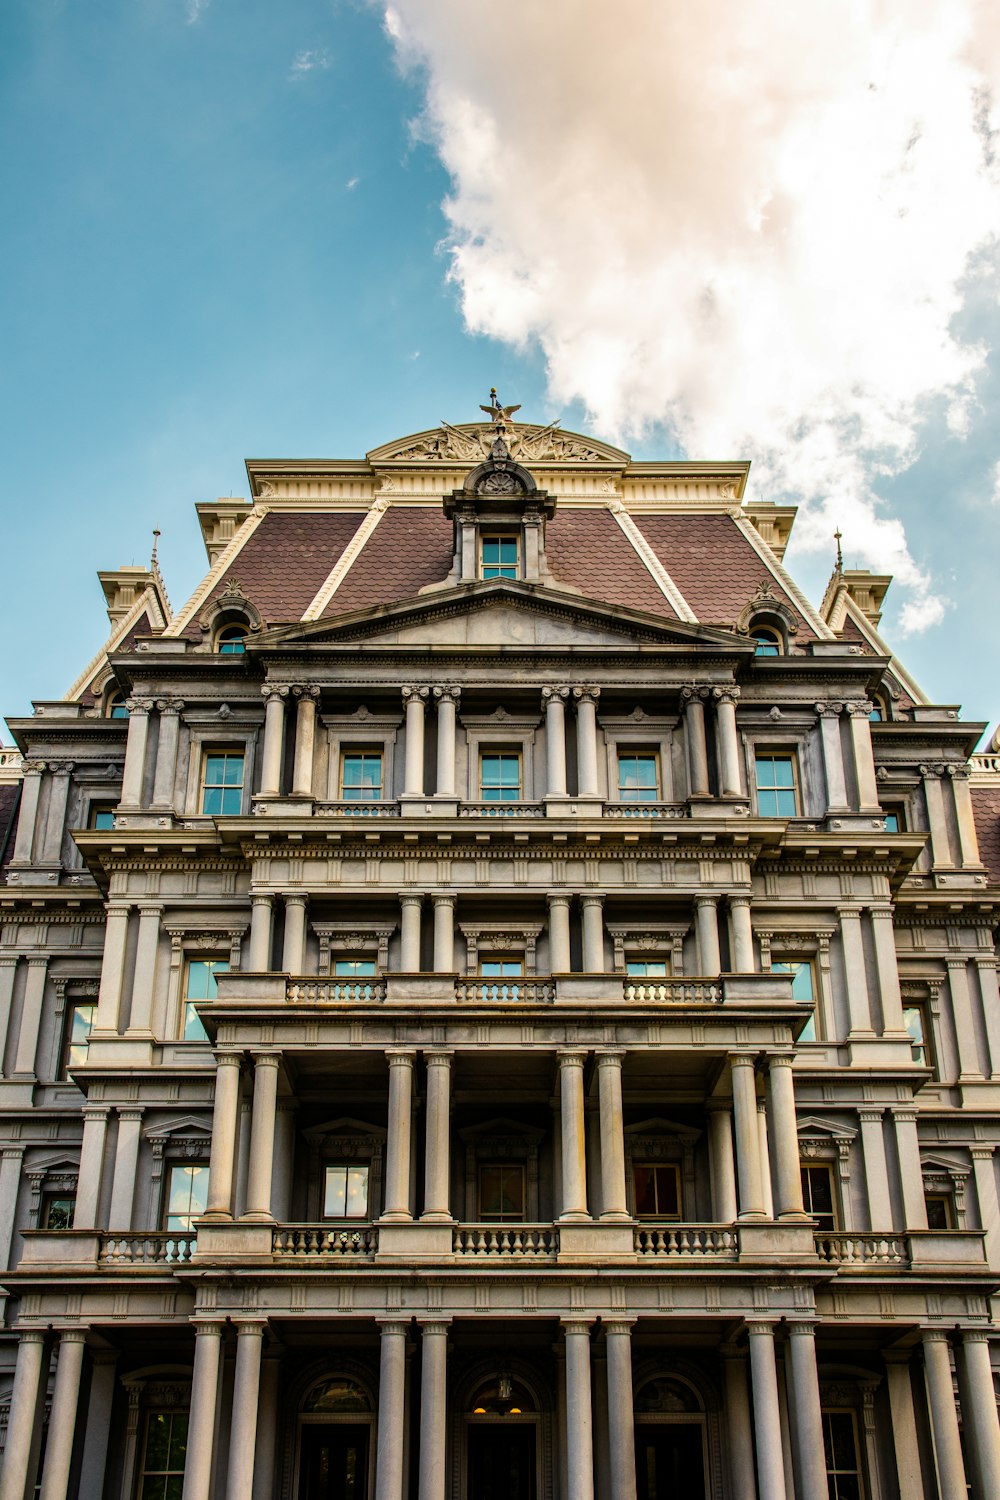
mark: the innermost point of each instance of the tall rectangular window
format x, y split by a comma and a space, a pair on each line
187, 1195
350, 969
803, 988
499, 557
200, 984
645, 968
345, 1192
164, 1452
777, 795
80, 1017
638, 777
501, 1193
222, 785
500, 776
915, 1022
361, 776
657, 1187
58, 1210
843, 1456
818, 1195
101, 816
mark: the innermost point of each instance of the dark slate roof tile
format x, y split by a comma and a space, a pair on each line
986, 810
589, 550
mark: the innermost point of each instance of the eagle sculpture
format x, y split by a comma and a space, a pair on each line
501, 415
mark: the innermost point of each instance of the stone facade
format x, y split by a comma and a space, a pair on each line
500, 998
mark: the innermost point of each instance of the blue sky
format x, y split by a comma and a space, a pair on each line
223, 239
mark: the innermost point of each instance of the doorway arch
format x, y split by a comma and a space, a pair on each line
335, 1439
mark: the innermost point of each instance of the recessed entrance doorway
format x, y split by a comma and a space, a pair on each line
670, 1461
502, 1461
334, 1462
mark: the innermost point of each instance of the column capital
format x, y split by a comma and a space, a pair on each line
860, 709
265, 1058
571, 1057
306, 691
953, 962
586, 694
95, 1111
439, 1057
576, 1325
694, 692
170, 706
558, 898
554, 695
228, 1057
400, 1057
802, 1327
610, 1057
929, 772
32, 767
253, 1327
38, 960
31, 1335
592, 898
871, 1116
131, 1112
975, 1335
729, 694
117, 908
207, 1327
393, 1326
905, 1116
829, 710
936, 1335
150, 908
410, 898
757, 1326
712, 901
413, 694
440, 898
447, 694
780, 1059
431, 1324
16, 1153
738, 898
743, 1059
138, 708
61, 767
296, 898
982, 1153
618, 1325
274, 692
261, 898
74, 1335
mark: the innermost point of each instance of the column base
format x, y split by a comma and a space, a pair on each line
395, 1216
216, 1216
257, 1217
575, 1216
437, 1216
616, 1216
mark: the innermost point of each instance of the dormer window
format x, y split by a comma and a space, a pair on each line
500, 557
117, 708
232, 640
767, 642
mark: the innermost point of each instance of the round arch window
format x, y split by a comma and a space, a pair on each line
767, 641
117, 707
232, 640
502, 1396
663, 1395
879, 710
339, 1394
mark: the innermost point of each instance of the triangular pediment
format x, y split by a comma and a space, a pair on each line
500, 612
470, 442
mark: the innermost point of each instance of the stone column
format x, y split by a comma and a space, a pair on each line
268, 1423
23, 1414
144, 980
574, 1147
415, 699
246, 1393
94, 1462
739, 1433
126, 1162
989, 1207
109, 1000
707, 925
88, 1192
979, 1410
614, 1204
968, 843
989, 994
62, 1420
722, 1167
134, 773
748, 1161
224, 1121
586, 742
437, 1161
31, 1018
864, 759
807, 1417
8, 974
11, 1162
273, 752
55, 822
592, 907
305, 740
936, 820
397, 1153
204, 1399
730, 781
858, 1004
31, 790
444, 933
558, 934
888, 971
166, 753
579, 1422
766, 1412
433, 1407
944, 1418
876, 1171
391, 1410
693, 698
787, 1172
621, 1421
447, 712
833, 757
261, 928
265, 1105
409, 957
904, 1428
965, 1027
908, 1152
293, 952
739, 913
554, 700
764, 1147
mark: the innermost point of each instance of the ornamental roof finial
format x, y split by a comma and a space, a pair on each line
498, 414
838, 537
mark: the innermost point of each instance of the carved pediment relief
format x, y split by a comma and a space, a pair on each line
470, 443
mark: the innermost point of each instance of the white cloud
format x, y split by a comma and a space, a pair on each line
996, 483
352, 183
749, 223
311, 60
193, 10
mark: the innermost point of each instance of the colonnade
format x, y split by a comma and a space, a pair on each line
774, 1443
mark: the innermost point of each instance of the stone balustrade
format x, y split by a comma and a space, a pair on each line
506, 991
703, 1241
293, 1241
506, 1241
335, 991
862, 1249
153, 1248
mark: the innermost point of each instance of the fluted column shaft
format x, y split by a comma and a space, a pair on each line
748, 1162
965, 1026
908, 1153
444, 934
274, 741
936, 819
855, 974
579, 1421
697, 744
409, 933
766, 1412
391, 1411
62, 1421
707, 925
555, 741
201, 1425
906, 1448
572, 1118
787, 1173
305, 741
293, 952
593, 933
447, 713
415, 699
265, 1107
433, 1408
397, 1154
614, 1204
559, 958
224, 1122
888, 970
437, 1156
166, 753
944, 1418
968, 842
246, 1394
586, 740
23, 1411
621, 1421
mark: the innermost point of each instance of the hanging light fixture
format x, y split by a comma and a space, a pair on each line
505, 1382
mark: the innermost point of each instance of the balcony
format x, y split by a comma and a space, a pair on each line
661, 810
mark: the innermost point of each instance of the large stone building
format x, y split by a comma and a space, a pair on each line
500, 1000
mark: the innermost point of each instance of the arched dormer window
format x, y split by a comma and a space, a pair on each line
231, 640
767, 641
880, 708
116, 707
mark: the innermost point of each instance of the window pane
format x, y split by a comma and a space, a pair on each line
58, 1213
817, 1194
667, 1197
802, 981
500, 778
361, 777
501, 1192
637, 778
187, 1195
335, 1194
938, 1211
913, 1020
222, 793
648, 968
349, 966
499, 557
503, 966
79, 1024
891, 822
357, 1192
102, 817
